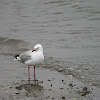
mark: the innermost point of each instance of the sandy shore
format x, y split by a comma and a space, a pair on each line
49, 85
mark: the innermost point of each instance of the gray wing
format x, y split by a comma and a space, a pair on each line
25, 56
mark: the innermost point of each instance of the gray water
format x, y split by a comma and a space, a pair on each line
69, 31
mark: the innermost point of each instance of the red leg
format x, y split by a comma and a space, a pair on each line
28, 72
34, 71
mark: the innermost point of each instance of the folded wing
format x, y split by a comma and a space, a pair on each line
25, 56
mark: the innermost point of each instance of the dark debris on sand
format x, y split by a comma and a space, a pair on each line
58, 88
84, 91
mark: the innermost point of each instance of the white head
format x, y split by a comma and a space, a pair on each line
38, 47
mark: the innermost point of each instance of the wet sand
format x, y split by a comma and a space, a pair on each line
49, 85
53, 81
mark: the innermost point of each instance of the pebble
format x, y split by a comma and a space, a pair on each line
19, 87
75, 99
62, 80
41, 81
47, 97
60, 70
82, 76
63, 97
61, 88
71, 84
9, 86
49, 90
17, 92
70, 76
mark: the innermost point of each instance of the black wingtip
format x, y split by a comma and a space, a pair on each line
16, 56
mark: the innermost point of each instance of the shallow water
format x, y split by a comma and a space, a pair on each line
67, 29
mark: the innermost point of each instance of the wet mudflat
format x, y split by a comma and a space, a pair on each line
53, 81
49, 85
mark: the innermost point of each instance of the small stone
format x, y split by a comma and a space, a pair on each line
70, 76
61, 88
82, 76
75, 99
62, 80
47, 97
87, 96
49, 90
19, 87
71, 84
63, 97
41, 81
60, 70
17, 92
9, 86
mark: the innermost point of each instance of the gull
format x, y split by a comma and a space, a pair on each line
32, 57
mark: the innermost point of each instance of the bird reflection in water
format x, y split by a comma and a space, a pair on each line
32, 81
31, 88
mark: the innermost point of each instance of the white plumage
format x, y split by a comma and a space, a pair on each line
32, 57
